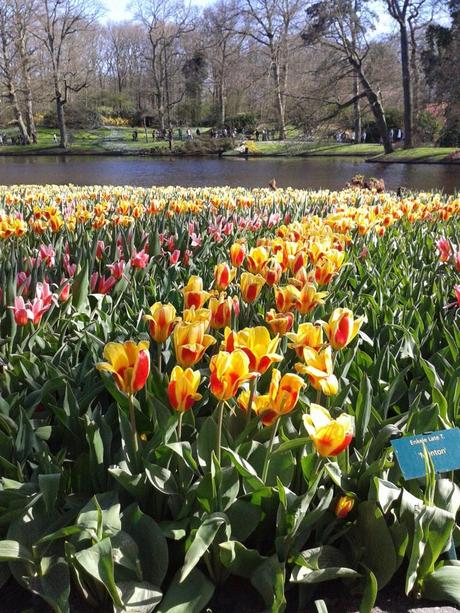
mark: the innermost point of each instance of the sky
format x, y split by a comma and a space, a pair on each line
117, 10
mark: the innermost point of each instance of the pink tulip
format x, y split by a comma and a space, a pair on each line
20, 311
47, 254
444, 248
117, 269
174, 257
100, 249
140, 259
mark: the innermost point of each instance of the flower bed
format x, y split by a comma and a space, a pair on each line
198, 385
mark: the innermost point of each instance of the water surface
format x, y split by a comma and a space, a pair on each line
316, 173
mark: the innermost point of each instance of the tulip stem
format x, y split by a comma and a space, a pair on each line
252, 391
132, 419
179, 427
159, 358
220, 419
269, 450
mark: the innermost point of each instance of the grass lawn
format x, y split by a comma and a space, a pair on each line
297, 147
419, 154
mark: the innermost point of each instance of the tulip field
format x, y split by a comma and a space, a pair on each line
199, 389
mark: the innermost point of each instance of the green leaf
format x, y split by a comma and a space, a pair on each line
97, 561
204, 536
53, 583
12, 550
49, 487
443, 584
138, 597
162, 479
188, 596
363, 410
240, 560
321, 564
152, 546
370, 593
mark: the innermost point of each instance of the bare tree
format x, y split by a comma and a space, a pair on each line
60, 23
224, 46
339, 25
274, 24
166, 23
9, 64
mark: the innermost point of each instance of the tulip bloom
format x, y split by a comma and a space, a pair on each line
21, 316
324, 272
272, 271
319, 369
228, 372
344, 505
223, 276
194, 294
237, 254
192, 315
281, 399
256, 259
251, 286
182, 389
256, 344
221, 311
190, 342
140, 259
309, 298
307, 335
457, 261
286, 298
444, 249
129, 364
300, 260
342, 328
280, 323
330, 436
161, 321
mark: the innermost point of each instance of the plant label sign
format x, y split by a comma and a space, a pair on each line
443, 448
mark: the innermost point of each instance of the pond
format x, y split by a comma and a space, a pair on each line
319, 172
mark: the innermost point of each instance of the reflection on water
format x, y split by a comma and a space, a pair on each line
332, 173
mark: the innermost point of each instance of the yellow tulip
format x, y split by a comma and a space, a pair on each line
182, 388
228, 372
309, 298
190, 342
251, 286
342, 328
256, 344
161, 320
194, 294
319, 369
330, 436
280, 323
307, 335
129, 364
286, 298
256, 259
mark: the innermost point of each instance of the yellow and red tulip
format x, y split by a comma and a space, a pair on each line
256, 259
280, 323
344, 505
342, 328
161, 321
307, 335
223, 276
251, 286
281, 398
237, 254
286, 298
256, 344
182, 389
228, 372
309, 299
190, 342
330, 436
221, 311
194, 295
129, 364
319, 369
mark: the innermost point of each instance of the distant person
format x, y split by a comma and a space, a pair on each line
1, 139
180, 133
153, 135
170, 138
34, 138
198, 132
364, 136
257, 133
390, 134
189, 134
54, 138
272, 185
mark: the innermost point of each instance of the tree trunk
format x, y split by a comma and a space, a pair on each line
60, 114
279, 100
356, 108
376, 107
17, 112
25, 65
406, 82
415, 76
